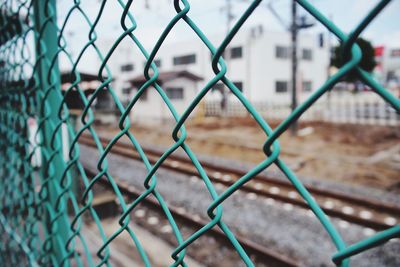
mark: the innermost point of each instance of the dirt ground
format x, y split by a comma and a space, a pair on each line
356, 154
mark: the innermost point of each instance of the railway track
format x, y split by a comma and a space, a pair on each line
369, 213
257, 252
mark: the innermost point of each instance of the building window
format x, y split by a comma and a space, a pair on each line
281, 52
395, 53
143, 97
218, 87
281, 87
144, 94
156, 61
391, 75
236, 52
239, 85
184, 60
174, 93
223, 55
307, 86
126, 91
306, 54
127, 67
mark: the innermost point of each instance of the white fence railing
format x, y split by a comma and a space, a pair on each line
339, 108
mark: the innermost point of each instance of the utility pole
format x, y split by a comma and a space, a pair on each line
293, 30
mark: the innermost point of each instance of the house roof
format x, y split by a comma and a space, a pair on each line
168, 76
66, 77
69, 77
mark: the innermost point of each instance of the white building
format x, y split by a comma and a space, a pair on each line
391, 68
180, 87
258, 63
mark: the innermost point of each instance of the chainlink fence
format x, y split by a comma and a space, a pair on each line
42, 214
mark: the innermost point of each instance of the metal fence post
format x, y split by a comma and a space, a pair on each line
45, 20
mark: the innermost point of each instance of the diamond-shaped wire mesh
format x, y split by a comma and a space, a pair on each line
42, 215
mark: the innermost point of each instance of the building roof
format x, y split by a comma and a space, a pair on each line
69, 77
166, 76
66, 78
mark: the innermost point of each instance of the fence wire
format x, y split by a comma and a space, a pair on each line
42, 214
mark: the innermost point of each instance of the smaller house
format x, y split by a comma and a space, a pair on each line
103, 105
181, 87
88, 84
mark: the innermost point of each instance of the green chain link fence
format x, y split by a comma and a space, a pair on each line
41, 216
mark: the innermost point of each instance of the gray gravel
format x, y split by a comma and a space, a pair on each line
357, 190
292, 231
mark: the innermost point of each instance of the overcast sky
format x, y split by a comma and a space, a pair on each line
210, 16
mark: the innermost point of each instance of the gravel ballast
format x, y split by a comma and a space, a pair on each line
284, 228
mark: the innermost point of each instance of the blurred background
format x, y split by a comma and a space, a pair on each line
344, 148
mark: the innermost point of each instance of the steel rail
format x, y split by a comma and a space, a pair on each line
261, 253
183, 165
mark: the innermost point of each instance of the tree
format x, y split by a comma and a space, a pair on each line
367, 62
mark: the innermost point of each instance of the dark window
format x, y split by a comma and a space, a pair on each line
281, 86
395, 53
156, 61
307, 86
281, 51
218, 87
174, 93
321, 40
127, 67
239, 85
223, 55
126, 90
306, 54
236, 52
144, 93
391, 75
184, 60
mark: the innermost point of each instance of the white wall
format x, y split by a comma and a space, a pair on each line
391, 64
258, 68
154, 107
266, 69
